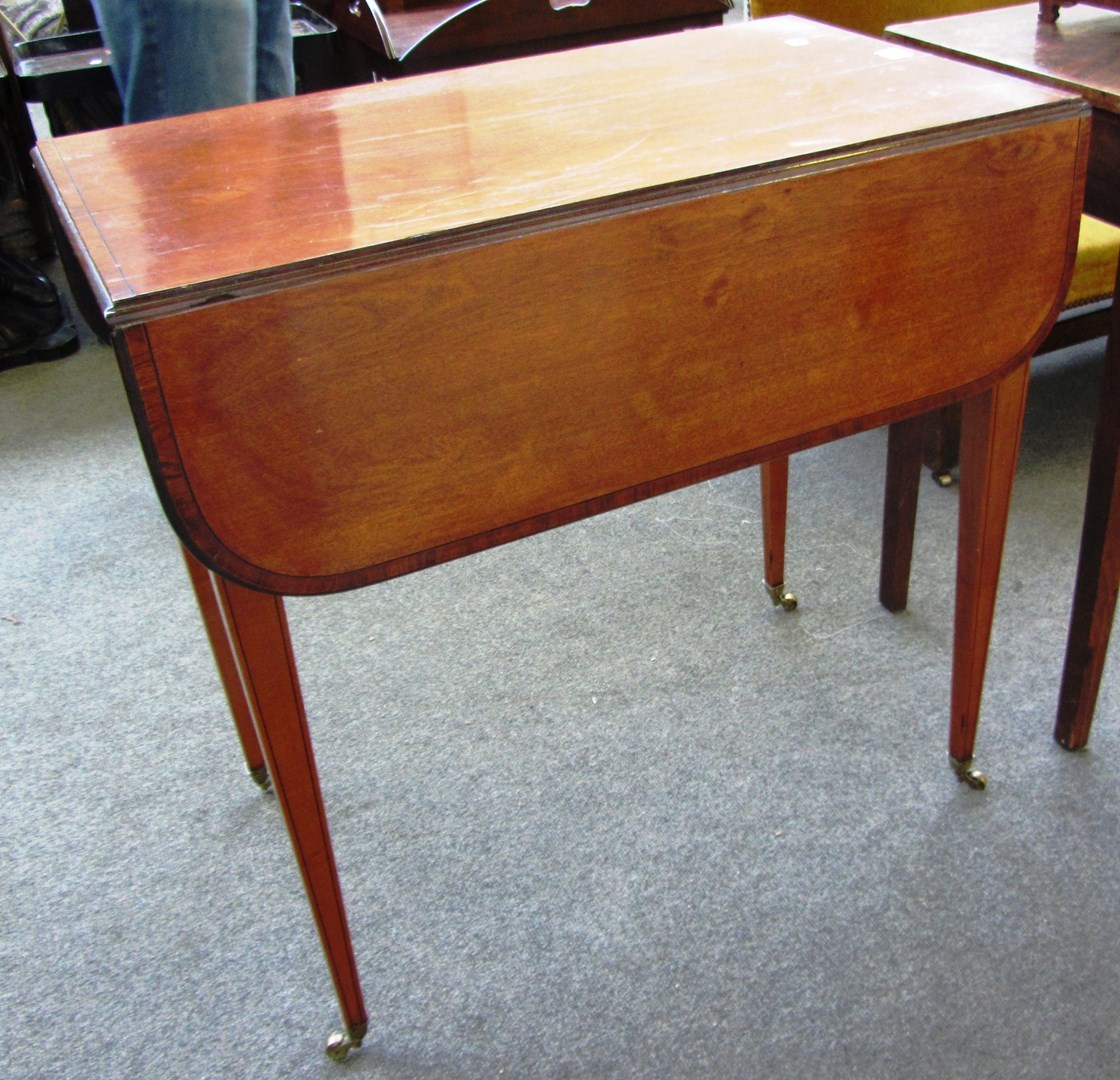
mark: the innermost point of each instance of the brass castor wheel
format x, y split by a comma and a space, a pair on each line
966, 774
779, 597
342, 1042
260, 778
944, 478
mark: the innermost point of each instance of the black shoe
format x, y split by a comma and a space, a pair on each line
22, 281
31, 333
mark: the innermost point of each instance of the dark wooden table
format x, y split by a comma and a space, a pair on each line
1050, 10
370, 330
1080, 52
410, 36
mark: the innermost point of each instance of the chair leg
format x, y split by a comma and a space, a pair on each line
1098, 564
774, 475
991, 426
943, 443
900, 509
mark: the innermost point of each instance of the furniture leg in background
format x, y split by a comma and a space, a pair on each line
774, 479
904, 462
1098, 564
228, 670
991, 426
900, 510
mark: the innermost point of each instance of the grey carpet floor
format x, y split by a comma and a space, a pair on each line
599, 810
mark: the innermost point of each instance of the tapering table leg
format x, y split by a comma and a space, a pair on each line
905, 440
258, 631
774, 478
942, 451
991, 427
1098, 564
227, 668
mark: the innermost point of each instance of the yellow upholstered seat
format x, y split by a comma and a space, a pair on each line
1094, 272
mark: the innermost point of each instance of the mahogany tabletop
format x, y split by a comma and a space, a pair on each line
180, 212
1079, 52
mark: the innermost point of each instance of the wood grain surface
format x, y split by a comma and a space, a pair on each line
186, 211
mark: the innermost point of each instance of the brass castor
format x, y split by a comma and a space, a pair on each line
966, 774
342, 1042
943, 478
260, 778
787, 601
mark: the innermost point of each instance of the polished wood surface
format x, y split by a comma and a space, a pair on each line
261, 197
370, 330
1080, 52
1050, 10
639, 377
549, 420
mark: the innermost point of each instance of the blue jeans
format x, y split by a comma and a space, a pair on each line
172, 57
